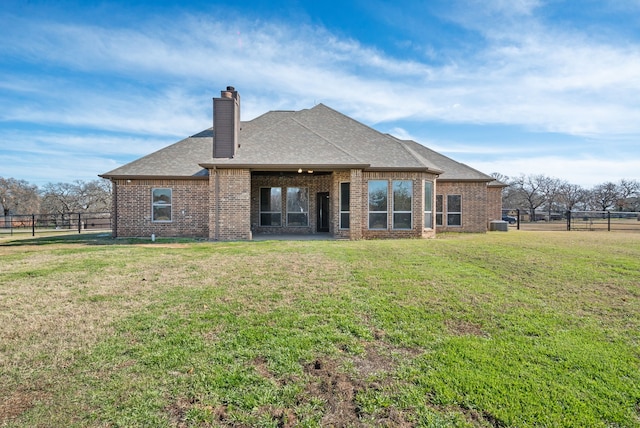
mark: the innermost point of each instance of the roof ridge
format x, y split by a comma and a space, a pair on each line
487, 176
322, 136
418, 157
430, 165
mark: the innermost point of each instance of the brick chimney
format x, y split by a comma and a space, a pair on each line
226, 123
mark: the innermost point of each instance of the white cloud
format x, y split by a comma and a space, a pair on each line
162, 75
584, 171
540, 77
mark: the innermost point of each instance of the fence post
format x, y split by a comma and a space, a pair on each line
568, 219
608, 221
79, 218
33, 225
518, 222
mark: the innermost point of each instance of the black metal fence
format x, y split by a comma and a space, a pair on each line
49, 223
609, 221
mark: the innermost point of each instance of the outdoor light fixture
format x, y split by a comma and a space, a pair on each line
299, 170
310, 171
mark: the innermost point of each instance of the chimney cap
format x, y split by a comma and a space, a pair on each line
231, 88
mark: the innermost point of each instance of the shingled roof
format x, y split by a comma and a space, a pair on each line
317, 138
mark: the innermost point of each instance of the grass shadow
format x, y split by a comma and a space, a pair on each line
99, 238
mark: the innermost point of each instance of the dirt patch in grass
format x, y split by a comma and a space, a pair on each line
465, 328
330, 383
17, 403
178, 410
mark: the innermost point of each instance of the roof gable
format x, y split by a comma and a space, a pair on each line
320, 136
316, 137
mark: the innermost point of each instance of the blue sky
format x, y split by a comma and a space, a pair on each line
511, 86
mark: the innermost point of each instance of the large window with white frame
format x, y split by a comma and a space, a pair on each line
428, 205
378, 204
161, 202
402, 204
454, 210
270, 206
297, 206
345, 200
439, 207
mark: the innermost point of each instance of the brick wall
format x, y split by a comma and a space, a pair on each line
230, 204
474, 205
494, 203
237, 191
190, 208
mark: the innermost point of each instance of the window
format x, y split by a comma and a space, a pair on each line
345, 189
428, 205
438, 210
270, 206
161, 205
378, 195
454, 210
297, 206
402, 204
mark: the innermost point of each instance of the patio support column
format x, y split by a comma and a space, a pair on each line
230, 204
356, 208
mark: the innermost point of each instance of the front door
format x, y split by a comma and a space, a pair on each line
322, 207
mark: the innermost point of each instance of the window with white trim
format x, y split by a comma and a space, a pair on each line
402, 204
345, 198
454, 210
439, 203
161, 201
428, 205
297, 206
270, 206
378, 204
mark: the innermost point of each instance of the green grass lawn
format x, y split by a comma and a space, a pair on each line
522, 329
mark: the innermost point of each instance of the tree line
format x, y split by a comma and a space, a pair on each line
535, 192
21, 197
538, 192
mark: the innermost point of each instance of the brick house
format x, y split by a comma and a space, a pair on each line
298, 172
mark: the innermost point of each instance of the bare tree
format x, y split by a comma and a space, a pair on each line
571, 195
79, 196
510, 196
95, 195
18, 197
500, 177
604, 196
529, 190
551, 187
627, 189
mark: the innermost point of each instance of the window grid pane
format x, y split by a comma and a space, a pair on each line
439, 203
345, 197
271, 206
454, 210
428, 205
402, 204
297, 206
378, 203
161, 202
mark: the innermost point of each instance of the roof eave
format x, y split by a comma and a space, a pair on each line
281, 167
412, 169
468, 180
152, 177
